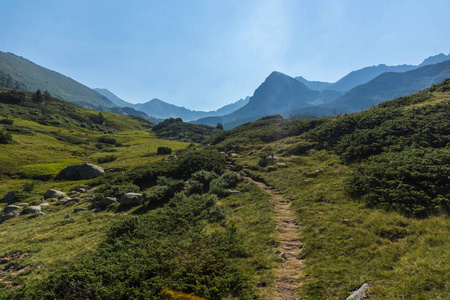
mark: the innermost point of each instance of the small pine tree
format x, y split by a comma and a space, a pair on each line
37, 97
219, 126
47, 95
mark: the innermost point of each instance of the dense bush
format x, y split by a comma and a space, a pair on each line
6, 121
220, 186
106, 159
164, 150
117, 190
107, 140
192, 161
5, 137
414, 182
167, 188
199, 181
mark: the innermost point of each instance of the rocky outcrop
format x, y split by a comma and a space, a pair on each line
80, 172
53, 194
360, 293
131, 199
9, 216
11, 208
31, 210
107, 201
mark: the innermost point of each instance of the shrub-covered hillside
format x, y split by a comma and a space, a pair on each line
370, 191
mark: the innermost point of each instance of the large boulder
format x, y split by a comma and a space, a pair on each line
131, 199
80, 172
9, 216
107, 201
11, 208
32, 210
9, 198
53, 194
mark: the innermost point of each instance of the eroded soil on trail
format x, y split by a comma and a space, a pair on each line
287, 273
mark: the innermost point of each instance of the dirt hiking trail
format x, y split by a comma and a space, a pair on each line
287, 273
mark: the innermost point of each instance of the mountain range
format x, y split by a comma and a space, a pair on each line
278, 94
281, 94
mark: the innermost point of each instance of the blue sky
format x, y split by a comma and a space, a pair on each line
205, 54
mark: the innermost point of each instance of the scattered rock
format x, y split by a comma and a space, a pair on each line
233, 192
80, 172
224, 154
131, 199
78, 209
53, 194
11, 208
311, 151
73, 193
270, 158
44, 204
172, 157
21, 204
359, 293
10, 215
234, 155
9, 198
282, 255
89, 198
66, 200
32, 210
67, 216
271, 168
107, 201
281, 164
80, 190
96, 210
40, 213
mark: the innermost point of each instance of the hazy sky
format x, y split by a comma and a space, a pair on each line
205, 54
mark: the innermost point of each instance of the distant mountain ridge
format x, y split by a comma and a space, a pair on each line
366, 74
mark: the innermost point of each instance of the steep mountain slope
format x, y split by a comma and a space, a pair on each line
17, 72
277, 93
113, 98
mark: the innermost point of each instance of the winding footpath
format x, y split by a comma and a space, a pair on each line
287, 273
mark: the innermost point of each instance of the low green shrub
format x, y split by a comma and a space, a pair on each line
413, 182
5, 137
106, 159
6, 121
164, 150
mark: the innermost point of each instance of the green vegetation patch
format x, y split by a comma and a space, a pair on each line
46, 171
